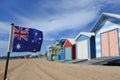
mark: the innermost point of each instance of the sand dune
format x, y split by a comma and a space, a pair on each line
41, 69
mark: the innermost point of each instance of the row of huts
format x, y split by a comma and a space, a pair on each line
103, 40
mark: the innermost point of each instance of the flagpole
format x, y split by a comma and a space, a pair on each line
9, 50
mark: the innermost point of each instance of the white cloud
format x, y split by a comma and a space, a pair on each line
74, 14
69, 14
3, 44
110, 2
4, 28
61, 15
49, 38
76, 4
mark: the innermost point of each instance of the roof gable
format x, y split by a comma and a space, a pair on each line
89, 34
115, 18
62, 41
71, 40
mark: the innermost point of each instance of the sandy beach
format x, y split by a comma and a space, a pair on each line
41, 69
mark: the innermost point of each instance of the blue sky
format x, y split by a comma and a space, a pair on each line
56, 18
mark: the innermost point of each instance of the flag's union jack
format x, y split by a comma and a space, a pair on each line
21, 33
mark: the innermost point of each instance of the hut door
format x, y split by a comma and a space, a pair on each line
83, 49
105, 44
113, 39
109, 41
68, 53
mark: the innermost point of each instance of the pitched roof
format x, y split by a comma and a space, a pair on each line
89, 34
72, 40
62, 41
102, 17
48, 46
51, 46
112, 15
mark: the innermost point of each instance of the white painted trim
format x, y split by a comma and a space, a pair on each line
98, 47
89, 34
71, 40
103, 14
112, 15
97, 39
109, 28
119, 34
99, 55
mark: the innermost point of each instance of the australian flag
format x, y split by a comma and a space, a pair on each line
27, 39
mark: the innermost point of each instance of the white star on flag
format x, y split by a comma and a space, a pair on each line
36, 33
34, 50
32, 41
18, 46
40, 38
